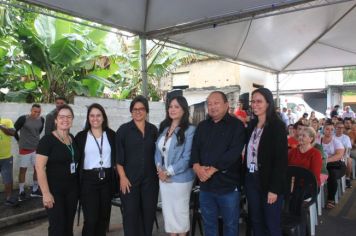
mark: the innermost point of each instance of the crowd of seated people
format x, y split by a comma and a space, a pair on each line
326, 147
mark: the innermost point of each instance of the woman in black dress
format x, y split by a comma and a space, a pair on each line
137, 171
96, 145
56, 165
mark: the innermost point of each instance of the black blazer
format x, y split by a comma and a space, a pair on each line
272, 156
81, 139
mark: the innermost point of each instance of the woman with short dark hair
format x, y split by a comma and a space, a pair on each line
136, 166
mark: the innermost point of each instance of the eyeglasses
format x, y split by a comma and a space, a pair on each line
256, 101
62, 117
340, 127
141, 109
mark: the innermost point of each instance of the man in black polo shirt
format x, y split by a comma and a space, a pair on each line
216, 159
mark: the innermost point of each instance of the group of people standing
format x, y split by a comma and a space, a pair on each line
143, 161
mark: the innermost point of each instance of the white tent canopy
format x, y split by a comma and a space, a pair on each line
278, 36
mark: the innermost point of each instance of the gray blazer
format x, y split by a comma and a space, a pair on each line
178, 156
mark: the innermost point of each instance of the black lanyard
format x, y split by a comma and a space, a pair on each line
99, 147
256, 134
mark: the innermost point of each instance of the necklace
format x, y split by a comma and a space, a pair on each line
69, 146
169, 134
63, 138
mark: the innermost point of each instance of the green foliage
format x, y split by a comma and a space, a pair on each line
42, 57
349, 74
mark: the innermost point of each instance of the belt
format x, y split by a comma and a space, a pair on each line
98, 169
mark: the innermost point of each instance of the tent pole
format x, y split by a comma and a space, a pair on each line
144, 66
277, 90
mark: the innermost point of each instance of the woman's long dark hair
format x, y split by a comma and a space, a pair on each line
104, 125
271, 113
184, 122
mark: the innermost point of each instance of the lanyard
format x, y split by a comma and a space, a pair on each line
99, 147
70, 146
256, 134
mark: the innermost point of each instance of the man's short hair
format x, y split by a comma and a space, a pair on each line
223, 95
61, 98
298, 123
36, 105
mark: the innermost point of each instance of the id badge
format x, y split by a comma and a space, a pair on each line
252, 167
101, 174
72, 168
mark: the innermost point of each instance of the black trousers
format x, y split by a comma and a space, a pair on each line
95, 197
335, 173
139, 208
61, 216
265, 218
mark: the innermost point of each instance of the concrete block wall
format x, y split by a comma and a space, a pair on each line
117, 112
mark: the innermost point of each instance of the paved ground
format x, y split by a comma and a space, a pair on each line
39, 227
339, 221
342, 219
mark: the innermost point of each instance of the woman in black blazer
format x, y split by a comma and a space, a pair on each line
97, 146
265, 164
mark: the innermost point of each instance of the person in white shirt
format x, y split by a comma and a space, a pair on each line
334, 150
348, 113
291, 117
346, 142
284, 116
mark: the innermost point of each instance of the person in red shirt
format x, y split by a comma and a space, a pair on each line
306, 155
293, 136
240, 113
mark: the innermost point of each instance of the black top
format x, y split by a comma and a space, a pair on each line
135, 152
58, 163
220, 145
333, 113
272, 156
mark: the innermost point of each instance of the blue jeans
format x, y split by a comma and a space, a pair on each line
213, 205
265, 218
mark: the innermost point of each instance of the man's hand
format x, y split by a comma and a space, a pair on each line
211, 170
202, 172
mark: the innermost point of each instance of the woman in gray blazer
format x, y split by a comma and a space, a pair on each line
172, 159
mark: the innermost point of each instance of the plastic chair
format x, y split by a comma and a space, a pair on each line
321, 194
353, 168
302, 194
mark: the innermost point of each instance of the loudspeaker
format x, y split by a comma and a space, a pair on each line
244, 98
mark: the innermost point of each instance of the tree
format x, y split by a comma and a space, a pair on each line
42, 57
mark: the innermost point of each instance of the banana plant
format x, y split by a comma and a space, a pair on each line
58, 58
